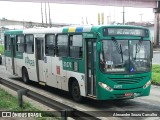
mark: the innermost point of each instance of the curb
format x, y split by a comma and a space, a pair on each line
156, 51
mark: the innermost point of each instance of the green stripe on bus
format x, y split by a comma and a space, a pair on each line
13, 32
65, 30
72, 64
7, 53
19, 55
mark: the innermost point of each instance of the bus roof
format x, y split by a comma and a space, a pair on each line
68, 29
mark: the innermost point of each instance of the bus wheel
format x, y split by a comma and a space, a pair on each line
25, 76
76, 92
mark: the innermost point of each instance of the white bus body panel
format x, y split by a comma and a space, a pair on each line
57, 69
19, 65
80, 79
32, 72
50, 76
9, 66
41, 71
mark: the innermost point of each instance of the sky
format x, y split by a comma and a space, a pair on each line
73, 14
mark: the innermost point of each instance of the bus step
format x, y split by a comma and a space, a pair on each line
42, 83
91, 96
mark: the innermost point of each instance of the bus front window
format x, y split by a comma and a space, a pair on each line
140, 56
114, 56
125, 56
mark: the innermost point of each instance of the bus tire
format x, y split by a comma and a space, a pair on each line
25, 76
76, 94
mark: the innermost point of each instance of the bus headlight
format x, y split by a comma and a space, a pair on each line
147, 84
105, 86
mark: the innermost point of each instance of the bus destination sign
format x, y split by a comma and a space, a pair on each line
125, 32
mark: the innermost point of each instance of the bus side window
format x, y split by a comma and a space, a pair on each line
62, 46
76, 49
20, 44
29, 44
50, 45
80, 52
7, 42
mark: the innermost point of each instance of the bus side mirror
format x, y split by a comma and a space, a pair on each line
99, 46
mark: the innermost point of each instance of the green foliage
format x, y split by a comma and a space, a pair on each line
1, 49
156, 68
156, 74
10, 103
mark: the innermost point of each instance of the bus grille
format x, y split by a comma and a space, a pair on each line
127, 80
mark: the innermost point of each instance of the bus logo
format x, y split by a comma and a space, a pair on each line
28, 61
117, 86
67, 64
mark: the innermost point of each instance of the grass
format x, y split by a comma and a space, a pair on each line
10, 103
156, 74
1, 49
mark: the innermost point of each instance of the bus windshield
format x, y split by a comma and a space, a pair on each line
125, 56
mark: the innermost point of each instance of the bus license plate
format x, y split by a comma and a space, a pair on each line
128, 94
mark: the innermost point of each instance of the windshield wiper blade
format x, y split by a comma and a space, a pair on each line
121, 52
138, 47
118, 47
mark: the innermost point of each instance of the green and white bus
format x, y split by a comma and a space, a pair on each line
100, 62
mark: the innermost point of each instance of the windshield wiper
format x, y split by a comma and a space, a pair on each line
118, 47
121, 52
138, 47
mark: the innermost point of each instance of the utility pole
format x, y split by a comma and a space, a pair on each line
86, 20
102, 18
141, 17
123, 15
99, 20
49, 15
108, 20
46, 12
42, 14
82, 21
114, 14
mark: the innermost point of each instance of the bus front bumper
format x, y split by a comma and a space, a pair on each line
103, 94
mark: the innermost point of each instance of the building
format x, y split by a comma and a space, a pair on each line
6, 24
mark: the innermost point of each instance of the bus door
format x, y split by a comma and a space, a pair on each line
39, 53
13, 54
91, 66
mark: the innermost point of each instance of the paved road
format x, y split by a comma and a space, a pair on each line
156, 58
149, 103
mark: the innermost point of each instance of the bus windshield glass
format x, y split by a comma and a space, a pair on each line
127, 56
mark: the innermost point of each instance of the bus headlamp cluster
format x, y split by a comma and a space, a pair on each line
147, 84
105, 86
